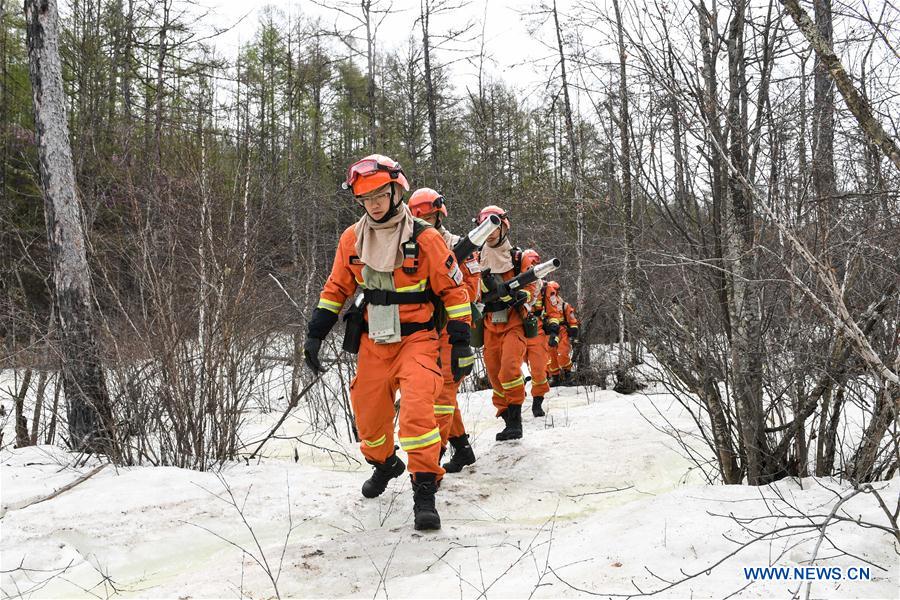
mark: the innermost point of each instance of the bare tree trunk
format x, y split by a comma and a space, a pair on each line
51, 428
743, 301
370, 72
855, 102
823, 141
161, 54
21, 422
710, 109
38, 406
626, 299
90, 413
574, 169
430, 100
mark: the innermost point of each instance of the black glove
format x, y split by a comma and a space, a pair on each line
573, 332
311, 354
519, 297
552, 330
462, 360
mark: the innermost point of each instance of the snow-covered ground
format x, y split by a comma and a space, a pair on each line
593, 500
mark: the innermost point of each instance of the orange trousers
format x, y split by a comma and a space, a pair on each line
446, 408
538, 355
504, 353
410, 366
561, 356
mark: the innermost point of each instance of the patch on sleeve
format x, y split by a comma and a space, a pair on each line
355, 260
455, 274
449, 262
473, 265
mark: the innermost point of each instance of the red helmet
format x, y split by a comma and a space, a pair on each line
425, 201
487, 211
372, 172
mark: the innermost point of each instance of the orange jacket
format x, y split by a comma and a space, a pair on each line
549, 306
471, 270
529, 259
569, 312
437, 271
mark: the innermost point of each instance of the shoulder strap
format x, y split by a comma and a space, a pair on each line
419, 225
411, 247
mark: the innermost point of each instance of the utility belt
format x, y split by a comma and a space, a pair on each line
408, 328
355, 324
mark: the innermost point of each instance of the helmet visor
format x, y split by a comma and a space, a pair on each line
369, 166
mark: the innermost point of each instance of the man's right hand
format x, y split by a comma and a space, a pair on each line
311, 354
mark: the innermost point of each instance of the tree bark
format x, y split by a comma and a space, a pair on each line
574, 169
21, 420
89, 411
855, 101
626, 299
430, 100
743, 302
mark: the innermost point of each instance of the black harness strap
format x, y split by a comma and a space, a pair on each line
387, 297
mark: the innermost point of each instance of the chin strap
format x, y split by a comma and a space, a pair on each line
394, 206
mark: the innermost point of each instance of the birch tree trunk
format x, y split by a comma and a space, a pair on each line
625, 280
746, 360
855, 101
574, 169
89, 411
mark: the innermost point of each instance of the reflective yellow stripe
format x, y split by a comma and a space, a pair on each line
500, 394
555, 321
568, 364
444, 409
520, 380
331, 305
529, 296
484, 287
459, 310
420, 441
465, 361
417, 287
375, 443
533, 382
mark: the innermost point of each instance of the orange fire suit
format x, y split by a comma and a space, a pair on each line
538, 349
411, 365
505, 346
561, 360
446, 408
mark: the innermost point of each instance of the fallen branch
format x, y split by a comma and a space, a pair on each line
61, 490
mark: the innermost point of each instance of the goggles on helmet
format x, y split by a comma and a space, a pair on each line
369, 166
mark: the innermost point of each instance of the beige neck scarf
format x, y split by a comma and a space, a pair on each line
379, 245
450, 238
498, 259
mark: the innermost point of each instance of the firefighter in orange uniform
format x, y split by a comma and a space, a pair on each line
505, 344
561, 347
399, 263
430, 206
538, 347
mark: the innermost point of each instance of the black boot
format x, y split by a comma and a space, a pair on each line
424, 488
462, 454
554, 380
568, 379
536, 409
513, 430
376, 484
